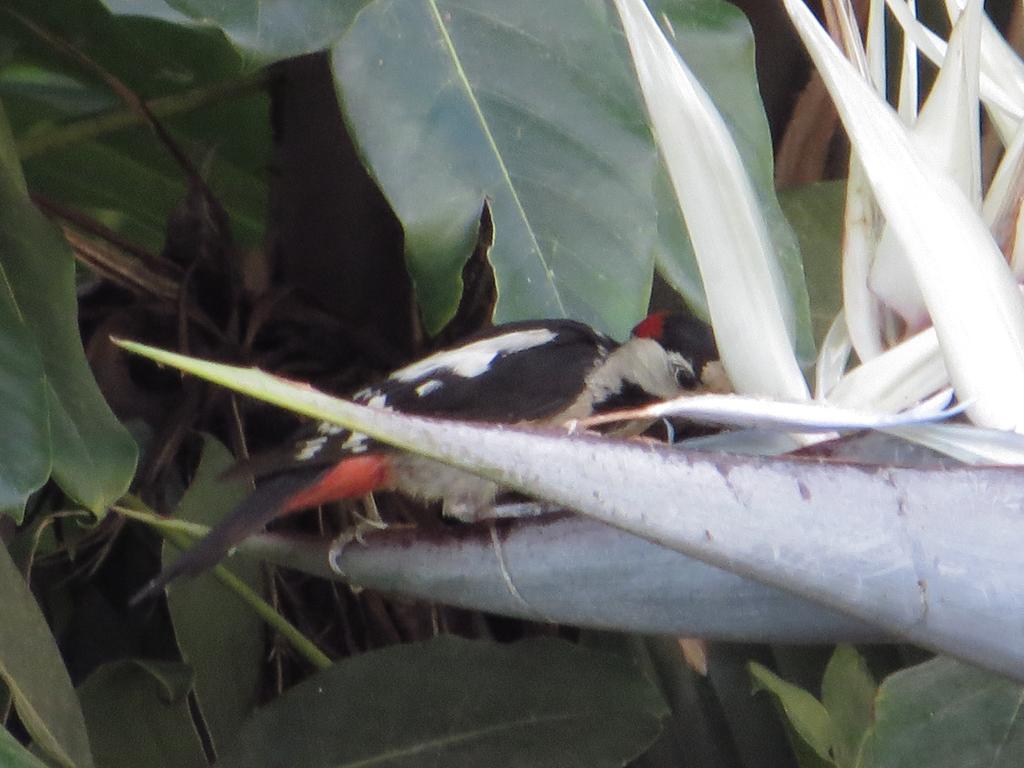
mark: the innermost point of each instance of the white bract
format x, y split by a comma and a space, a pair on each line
936, 259
930, 300
729, 235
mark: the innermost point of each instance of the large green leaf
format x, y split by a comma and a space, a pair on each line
205, 612
13, 755
531, 106
126, 178
93, 456
130, 183
138, 715
714, 722
945, 714
455, 703
25, 458
150, 56
32, 670
262, 31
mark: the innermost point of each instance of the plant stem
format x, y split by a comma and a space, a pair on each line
119, 119
165, 525
181, 534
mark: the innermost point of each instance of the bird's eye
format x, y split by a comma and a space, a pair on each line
683, 371
686, 379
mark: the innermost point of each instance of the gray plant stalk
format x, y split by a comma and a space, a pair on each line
569, 570
928, 555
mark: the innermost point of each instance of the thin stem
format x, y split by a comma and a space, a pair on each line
164, 525
119, 119
181, 534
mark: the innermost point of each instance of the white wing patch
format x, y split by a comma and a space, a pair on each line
310, 448
428, 386
379, 400
474, 359
356, 443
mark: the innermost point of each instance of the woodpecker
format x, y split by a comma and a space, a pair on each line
543, 373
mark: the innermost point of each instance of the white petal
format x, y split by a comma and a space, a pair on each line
741, 277
970, 293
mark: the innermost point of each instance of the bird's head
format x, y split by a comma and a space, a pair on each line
690, 345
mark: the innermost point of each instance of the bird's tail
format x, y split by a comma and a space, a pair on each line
298, 488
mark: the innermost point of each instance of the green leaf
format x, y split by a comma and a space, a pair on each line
34, 673
715, 40
13, 755
714, 721
129, 183
805, 713
945, 714
138, 715
151, 57
848, 693
25, 460
126, 178
263, 32
205, 612
93, 456
456, 703
815, 212
531, 106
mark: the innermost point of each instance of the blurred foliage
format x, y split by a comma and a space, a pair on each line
144, 139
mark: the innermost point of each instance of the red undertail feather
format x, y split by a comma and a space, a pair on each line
351, 478
348, 479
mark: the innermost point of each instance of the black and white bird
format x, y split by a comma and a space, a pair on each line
544, 373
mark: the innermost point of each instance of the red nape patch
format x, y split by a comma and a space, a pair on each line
348, 479
652, 327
